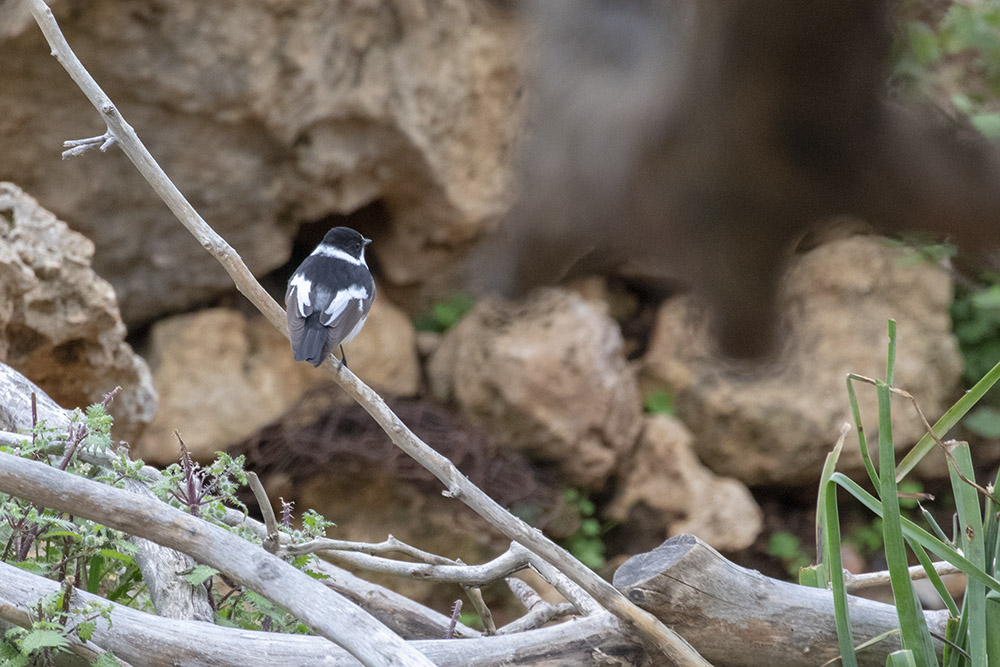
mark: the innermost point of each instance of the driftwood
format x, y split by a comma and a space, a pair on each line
736, 616
327, 613
733, 616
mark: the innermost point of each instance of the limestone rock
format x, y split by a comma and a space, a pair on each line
548, 374
59, 321
776, 422
269, 115
222, 375
680, 495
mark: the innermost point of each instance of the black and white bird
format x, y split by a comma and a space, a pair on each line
329, 296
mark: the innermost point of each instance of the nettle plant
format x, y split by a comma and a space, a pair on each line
79, 553
972, 634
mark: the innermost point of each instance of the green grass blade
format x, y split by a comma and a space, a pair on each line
912, 625
890, 364
944, 551
929, 518
836, 573
829, 467
956, 634
947, 421
866, 456
993, 624
900, 659
933, 576
973, 546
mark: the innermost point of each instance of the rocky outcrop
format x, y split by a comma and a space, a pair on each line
666, 490
268, 115
548, 375
776, 422
59, 321
222, 375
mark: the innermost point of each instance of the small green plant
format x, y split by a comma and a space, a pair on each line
788, 548
975, 317
81, 553
446, 313
659, 402
968, 33
971, 637
51, 631
585, 543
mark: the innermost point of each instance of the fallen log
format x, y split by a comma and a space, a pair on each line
735, 616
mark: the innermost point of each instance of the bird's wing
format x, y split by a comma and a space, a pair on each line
298, 305
346, 312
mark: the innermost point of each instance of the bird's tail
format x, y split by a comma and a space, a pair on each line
314, 346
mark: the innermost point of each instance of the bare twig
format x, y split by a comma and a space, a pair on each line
476, 597
524, 593
470, 575
456, 609
75, 147
458, 486
271, 541
389, 545
538, 616
857, 582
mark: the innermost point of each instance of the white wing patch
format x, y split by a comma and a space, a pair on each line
342, 300
329, 251
355, 331
302, 288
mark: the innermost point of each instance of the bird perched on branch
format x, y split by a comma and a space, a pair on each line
329, 296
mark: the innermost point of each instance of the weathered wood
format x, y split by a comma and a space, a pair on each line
153, 640
161, 569
15, 403
320, 608
734, 616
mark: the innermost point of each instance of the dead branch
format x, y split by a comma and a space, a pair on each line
735, 617
326, 612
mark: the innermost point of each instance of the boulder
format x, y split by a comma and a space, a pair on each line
775, 422
59, 321
549, 376
269, 115
222, 375
666, 490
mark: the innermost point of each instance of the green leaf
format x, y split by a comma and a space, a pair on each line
947, 421
86, 630
988, 298
831, 517
11, 657
784, 545
659, 402
901, 659
984, 421
39, 639
107, 659
913, 628
972, 540
199, 574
